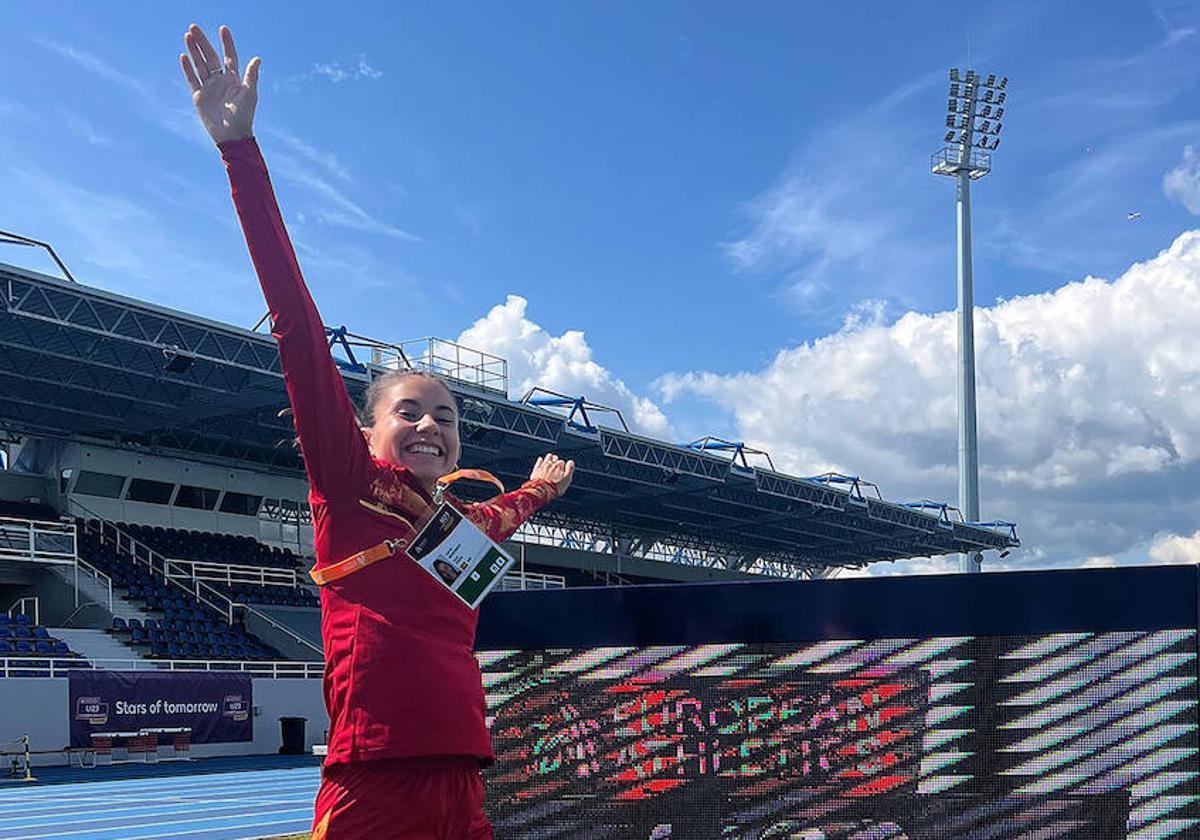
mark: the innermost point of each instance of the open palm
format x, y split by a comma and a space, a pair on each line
224, 100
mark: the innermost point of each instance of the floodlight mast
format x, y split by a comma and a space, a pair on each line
967, 160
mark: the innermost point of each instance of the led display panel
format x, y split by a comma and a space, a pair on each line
1054, 735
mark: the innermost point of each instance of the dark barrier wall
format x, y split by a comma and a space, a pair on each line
1049, 705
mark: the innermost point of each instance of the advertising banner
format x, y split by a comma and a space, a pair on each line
216, 707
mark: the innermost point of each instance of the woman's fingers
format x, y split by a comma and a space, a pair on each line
189, 72
231, 57
193, 48
251, 79
211, 59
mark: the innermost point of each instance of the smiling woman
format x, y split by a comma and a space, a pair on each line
405, 699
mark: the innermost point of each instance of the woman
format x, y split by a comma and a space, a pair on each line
405, 699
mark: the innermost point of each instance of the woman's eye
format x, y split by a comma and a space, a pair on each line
410, 416
445, 422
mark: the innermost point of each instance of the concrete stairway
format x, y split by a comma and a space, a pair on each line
96, 644
91, 591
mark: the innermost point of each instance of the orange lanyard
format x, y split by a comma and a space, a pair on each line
476, 475
385, 549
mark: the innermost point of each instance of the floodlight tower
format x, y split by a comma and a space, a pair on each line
973, 123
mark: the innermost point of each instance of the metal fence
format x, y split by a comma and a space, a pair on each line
37, 542
33, 666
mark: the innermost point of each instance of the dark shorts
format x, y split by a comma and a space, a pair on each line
401, 799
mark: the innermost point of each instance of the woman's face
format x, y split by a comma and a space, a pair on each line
416, 426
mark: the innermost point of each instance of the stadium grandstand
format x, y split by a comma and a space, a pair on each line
153, 516
150, 475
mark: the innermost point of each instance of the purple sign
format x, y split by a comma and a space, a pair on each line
218, 708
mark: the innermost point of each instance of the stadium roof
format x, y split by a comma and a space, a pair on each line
81, 363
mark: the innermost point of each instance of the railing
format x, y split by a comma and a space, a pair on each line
35, 666
531, 580
96, 575
229, 574
292, 634
451, 360
54, 543
140, 553
22, 605
37, 542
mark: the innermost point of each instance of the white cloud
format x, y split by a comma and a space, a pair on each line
1089, 407
326, 160
333, 207
561, 363
337, 72
119, 242
175, 118
82, 128
917, 566
830, 225
1173, 548
1183, 182
11, 108
96, 66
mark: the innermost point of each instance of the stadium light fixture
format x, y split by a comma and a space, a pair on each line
974, 109
176, 360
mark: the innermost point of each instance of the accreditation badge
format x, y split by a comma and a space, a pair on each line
459, 556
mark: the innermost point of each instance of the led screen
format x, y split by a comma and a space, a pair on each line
1068, 735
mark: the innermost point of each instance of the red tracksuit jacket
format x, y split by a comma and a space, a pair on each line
400, 676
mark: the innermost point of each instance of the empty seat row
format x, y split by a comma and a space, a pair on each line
188, 628
204, 639
231, 549
10, 647
284, 596
19, 637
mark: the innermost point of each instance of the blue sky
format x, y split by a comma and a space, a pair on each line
697, 187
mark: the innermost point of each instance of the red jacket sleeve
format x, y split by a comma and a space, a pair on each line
335, 453
500, 517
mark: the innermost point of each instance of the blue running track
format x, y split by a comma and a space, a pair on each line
208, 806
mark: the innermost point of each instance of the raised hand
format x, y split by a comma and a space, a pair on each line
224, 101
552, 468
